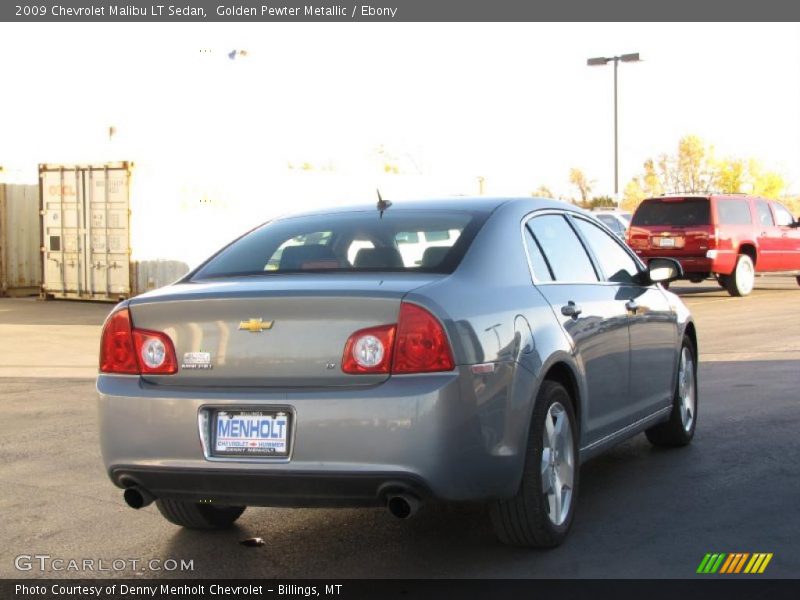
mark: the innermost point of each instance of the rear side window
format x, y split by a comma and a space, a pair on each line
733, 212
350, 242
540, 269
676, 212
563, 251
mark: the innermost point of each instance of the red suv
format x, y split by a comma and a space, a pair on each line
728, 236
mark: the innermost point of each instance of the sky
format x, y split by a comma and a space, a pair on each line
513, 103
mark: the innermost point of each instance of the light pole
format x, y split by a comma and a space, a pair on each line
599, 62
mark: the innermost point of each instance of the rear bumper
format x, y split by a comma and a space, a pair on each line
426, 434
721, 261
249, 487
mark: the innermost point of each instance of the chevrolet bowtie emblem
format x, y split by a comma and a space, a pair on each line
255, 325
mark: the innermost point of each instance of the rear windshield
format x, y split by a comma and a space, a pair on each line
400, 240
678, 212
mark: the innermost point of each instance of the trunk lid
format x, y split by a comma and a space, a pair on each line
275, 331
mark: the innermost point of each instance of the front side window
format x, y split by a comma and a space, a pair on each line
782, 216
562, 249
618, 266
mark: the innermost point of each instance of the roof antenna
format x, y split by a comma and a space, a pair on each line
382, 204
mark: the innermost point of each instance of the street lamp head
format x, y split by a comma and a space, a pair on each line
630, 57
598, 62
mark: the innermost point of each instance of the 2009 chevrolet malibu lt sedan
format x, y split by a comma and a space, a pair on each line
465, 350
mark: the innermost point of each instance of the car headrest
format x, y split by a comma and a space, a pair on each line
433, 256
378, 258
313, 256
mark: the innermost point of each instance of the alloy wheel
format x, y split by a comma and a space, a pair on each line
686, 389
558, 463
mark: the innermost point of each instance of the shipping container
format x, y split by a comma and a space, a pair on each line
20, 259
87, 235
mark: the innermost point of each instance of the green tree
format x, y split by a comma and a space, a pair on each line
602, 202
543, 192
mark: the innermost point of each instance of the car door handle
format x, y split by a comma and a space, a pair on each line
570, 309
632, 305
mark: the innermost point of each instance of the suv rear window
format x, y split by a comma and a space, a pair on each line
350, 242
677, 212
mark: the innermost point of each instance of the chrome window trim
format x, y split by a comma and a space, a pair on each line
636, 261
567, 213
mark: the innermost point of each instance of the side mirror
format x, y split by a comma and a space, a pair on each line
664, 270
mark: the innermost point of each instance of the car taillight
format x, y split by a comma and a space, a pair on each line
155, 352
369, 350
421, 345
417, 344
130, 351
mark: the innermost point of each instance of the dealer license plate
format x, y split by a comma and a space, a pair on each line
666, 242
251, 433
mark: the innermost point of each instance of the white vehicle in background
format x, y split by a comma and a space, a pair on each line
616, 220
412, 244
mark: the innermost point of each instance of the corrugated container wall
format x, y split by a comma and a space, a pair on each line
20, 259
86, 235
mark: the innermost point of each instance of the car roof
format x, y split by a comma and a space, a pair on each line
476, 203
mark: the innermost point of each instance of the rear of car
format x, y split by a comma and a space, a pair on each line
679, 227
308, 377
730, 237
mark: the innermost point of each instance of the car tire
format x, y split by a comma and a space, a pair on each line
722, 280
194, 515
742, 280
552, 455
798, 279
680, 428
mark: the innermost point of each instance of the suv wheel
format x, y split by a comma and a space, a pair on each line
539, 515
679, 430
742, 280
722, 280
195, 515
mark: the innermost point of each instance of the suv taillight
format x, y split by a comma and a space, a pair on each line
130, 351
713, 239
417, 344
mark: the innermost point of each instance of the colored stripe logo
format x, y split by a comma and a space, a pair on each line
734, 563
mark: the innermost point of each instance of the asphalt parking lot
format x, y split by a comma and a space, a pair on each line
643, 512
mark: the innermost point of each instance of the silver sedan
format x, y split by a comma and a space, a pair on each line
465, 350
